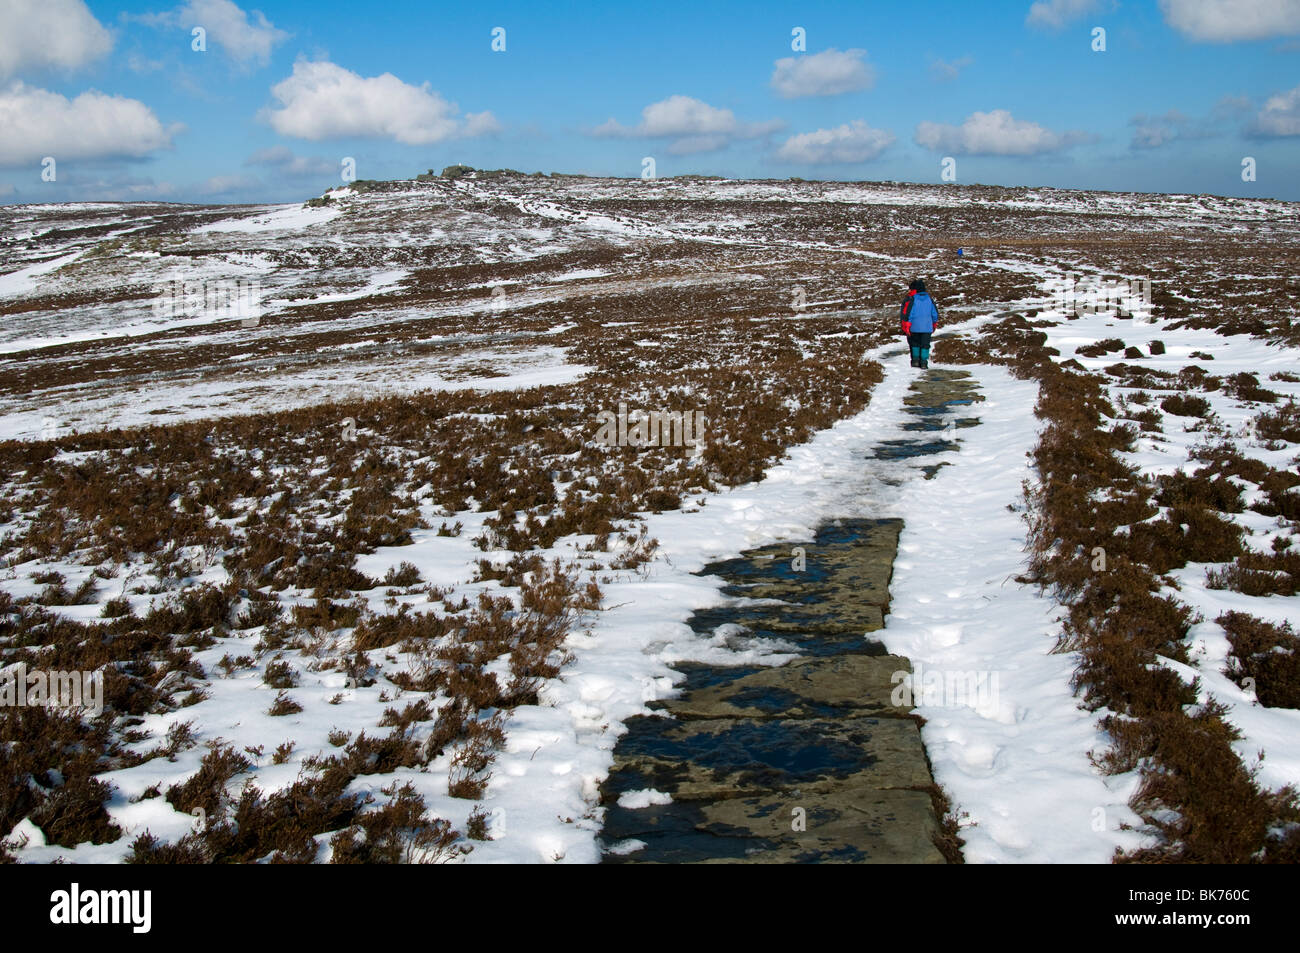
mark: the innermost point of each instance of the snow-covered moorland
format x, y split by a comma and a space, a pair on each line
365, 585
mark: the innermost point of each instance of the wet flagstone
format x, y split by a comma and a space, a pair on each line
811, 761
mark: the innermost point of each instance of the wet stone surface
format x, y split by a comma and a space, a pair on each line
810, 761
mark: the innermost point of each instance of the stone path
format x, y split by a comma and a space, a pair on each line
810, 761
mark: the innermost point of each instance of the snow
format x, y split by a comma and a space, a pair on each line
376, 284
579, 273
25, 281
127, 329
277, 218
1018, 765
646, 797
237, 395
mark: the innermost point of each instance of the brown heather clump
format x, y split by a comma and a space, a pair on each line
1282, 424
47, 762
1186, 405
1101, 348
284, 705
206, 788
283, 827
1223, 460
1246, 386
1266, 654
380, 631
1259, 574
1187, 533
1222, 816
397, 833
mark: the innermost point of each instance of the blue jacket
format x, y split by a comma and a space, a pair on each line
920, 310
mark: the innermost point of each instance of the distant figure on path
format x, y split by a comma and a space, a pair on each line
919, 318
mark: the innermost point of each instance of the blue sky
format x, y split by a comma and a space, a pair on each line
1012, 92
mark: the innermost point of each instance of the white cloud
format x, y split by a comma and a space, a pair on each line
283, 159
230, 28
992, 133
677, 115
1280, 115
43, 34
324, 101
247, 38
1229, 106
1055, 14
852, 142
1151, 132
40, 123
945, 71
1225, 21
828, 73
693, 125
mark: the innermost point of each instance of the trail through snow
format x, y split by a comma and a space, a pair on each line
1018, 769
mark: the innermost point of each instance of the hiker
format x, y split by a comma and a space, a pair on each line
919, 319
